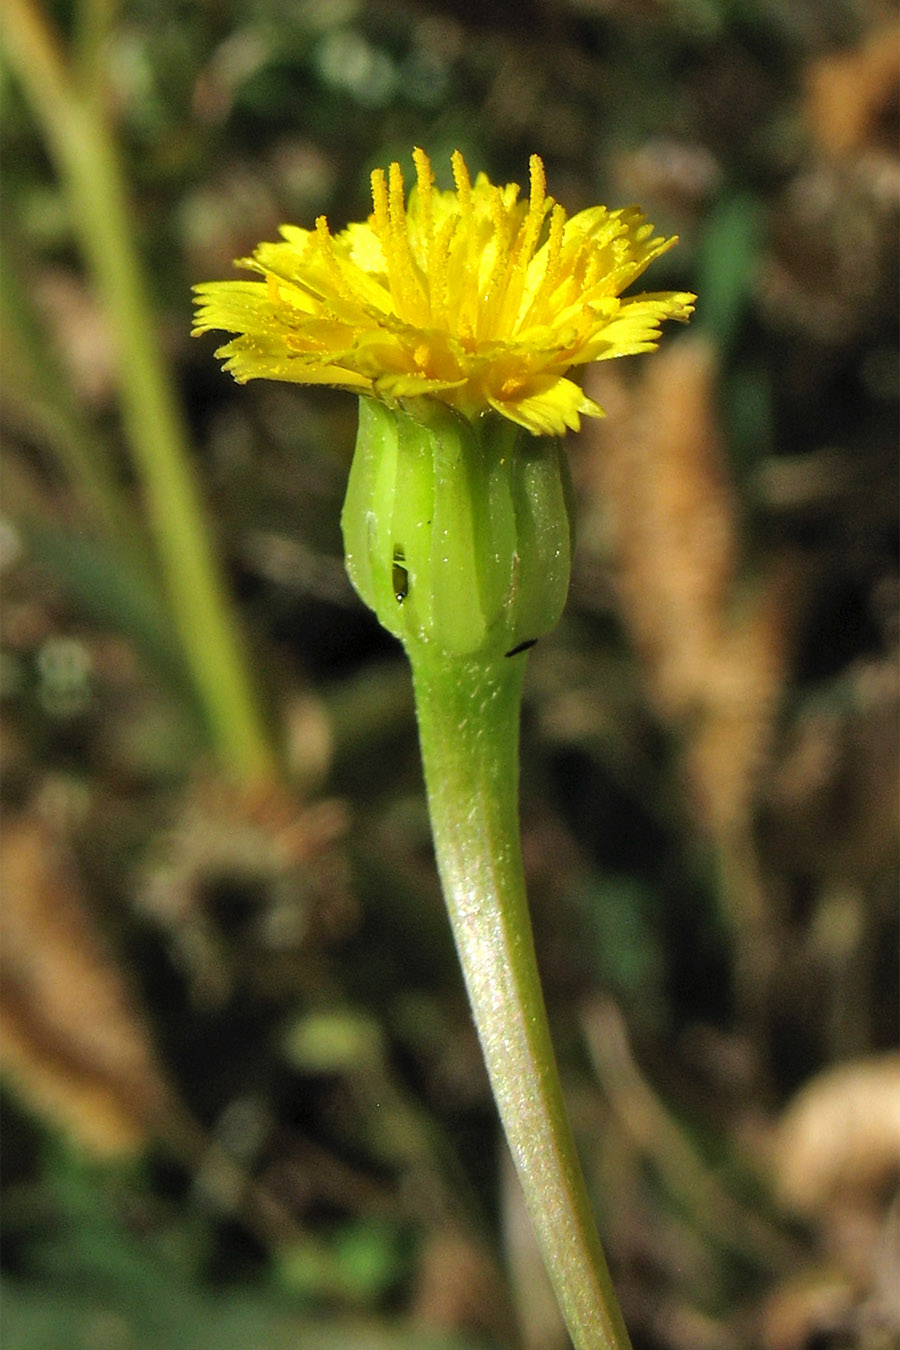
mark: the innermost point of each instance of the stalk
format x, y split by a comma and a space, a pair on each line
81, 142
468, 713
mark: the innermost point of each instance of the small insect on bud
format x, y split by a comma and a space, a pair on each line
399, 576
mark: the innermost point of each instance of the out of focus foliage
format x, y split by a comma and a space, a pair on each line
244, 1104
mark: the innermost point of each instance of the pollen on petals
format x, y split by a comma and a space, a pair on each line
473, 296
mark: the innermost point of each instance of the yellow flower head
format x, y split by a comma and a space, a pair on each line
472, 297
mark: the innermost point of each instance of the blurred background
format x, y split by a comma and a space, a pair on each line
243, 1103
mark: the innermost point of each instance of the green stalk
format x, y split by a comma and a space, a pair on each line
468, 712
81, 142
458, 534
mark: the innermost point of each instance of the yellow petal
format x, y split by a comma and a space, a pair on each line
474, 297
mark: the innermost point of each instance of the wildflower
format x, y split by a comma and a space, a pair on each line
471, 297
456, 317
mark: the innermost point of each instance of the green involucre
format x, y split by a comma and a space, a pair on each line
457, 533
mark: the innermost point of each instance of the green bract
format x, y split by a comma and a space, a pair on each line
457, 533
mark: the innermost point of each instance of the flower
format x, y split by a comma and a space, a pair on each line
471, 297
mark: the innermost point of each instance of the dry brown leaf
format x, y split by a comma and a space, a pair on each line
804, 1307
72, 1043
714, 664
853, 95
658, 476
732, 742
840, 1134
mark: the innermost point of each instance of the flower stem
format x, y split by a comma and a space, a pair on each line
468, 712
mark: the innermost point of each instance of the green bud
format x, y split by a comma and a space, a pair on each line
457, 533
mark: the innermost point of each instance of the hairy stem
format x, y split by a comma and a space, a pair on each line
468, 713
